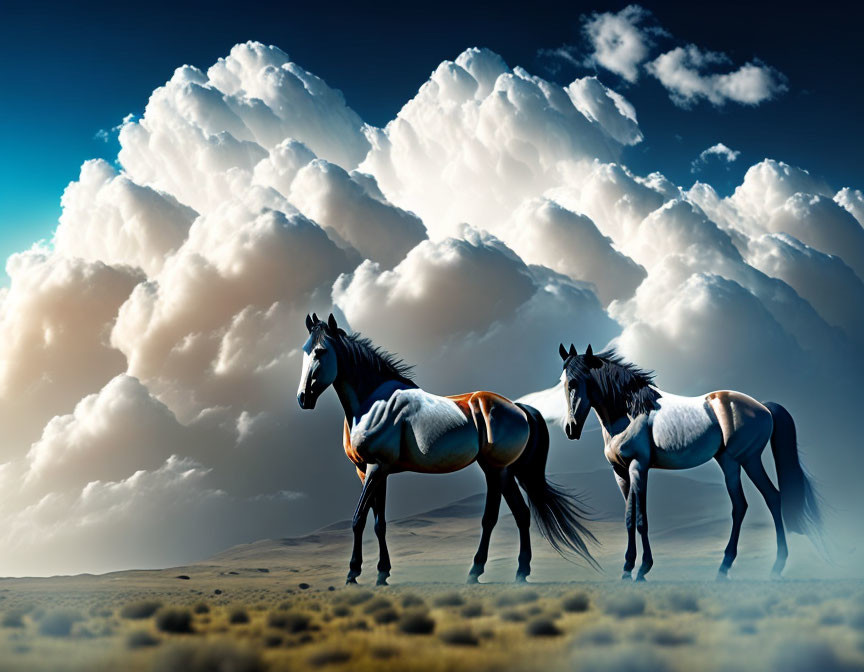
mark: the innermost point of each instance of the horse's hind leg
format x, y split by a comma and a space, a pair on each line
522, 516
379, 503
490, 518
756, 471
732, 473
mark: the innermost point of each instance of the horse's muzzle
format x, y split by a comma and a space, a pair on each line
573, 430
306, 400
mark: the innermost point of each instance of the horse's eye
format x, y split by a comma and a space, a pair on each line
319, 352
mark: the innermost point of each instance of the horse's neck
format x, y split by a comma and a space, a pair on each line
613, 420
356, 402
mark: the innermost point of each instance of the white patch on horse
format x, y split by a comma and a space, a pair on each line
430, 428
304, 373
684, 432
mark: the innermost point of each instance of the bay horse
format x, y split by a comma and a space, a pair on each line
391, 426
644, 427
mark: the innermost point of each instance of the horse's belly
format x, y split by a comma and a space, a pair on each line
684, 433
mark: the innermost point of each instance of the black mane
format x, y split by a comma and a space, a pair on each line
363, 353
624, 386
367, 364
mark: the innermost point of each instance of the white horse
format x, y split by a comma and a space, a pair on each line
644, 427
391, 425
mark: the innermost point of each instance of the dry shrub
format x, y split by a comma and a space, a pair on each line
387, 615
383, 652
517, 597
329, 656
140, 610
355, 596
416, 622
625, 605
680, 600
576, 602
412, 600
177, 620
201, 608
453, 599
59, 623
513, 616
207, 657
238, 616
376, 604
542, 627
460, 635
472, 610
14, 618
667, 637
292, 621
140, 639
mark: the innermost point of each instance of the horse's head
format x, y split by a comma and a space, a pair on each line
319, 359
577, 370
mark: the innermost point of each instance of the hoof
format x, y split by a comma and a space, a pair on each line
626, 576
640, 578
776, 576
473, 578
521, 578
351, 580
382, 579
722, 576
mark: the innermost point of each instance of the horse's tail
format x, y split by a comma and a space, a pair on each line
798, 500
559, 514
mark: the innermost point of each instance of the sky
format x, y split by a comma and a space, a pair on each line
468, 187
71, 70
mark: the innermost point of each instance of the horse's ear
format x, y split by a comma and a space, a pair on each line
331, 324
573, 352
591, 360
563, 352
309, 323
314, 318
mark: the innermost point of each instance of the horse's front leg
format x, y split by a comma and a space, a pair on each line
490, 518
639, 483
379, 504
622, 477
630, 522
375, 477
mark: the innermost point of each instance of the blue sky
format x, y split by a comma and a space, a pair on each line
68, 72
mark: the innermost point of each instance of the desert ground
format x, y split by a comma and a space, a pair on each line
281, 604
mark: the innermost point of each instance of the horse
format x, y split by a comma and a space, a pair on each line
392, 426
645, 427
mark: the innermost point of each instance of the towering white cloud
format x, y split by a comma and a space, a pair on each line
149, 356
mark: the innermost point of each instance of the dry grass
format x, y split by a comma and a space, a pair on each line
602, 626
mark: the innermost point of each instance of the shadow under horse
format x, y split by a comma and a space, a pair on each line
391, 426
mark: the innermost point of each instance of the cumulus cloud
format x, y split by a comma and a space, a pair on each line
686, 72
720, 151
149, 355
620, 42
479, 138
